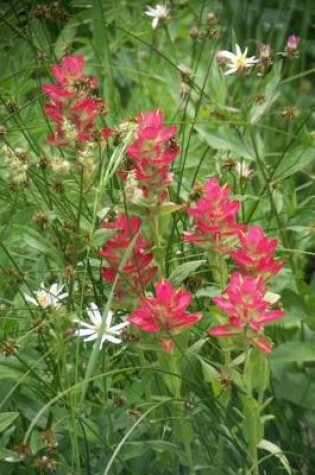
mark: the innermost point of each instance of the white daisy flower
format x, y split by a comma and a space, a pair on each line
47, 297
159, 13
91, 331
238, 62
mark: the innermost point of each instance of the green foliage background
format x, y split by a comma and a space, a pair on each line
221, 119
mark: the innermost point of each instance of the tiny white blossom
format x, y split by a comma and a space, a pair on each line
271, 297
159, 13
237, 62
91, 331
243, 170
47, 297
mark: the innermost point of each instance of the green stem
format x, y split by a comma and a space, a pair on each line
180, 423
251, 423
158, 248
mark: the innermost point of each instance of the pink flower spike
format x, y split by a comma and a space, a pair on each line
152, 153
214, 215
166, 313
255, 256
138, 271
247, 310
70, 69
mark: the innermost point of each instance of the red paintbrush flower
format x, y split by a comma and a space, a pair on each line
165, 314
214, 214
71, 80
152, 152
255, 256
137, 272
72, 108
248, 311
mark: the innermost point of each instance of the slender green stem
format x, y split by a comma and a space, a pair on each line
251, 422
179, 416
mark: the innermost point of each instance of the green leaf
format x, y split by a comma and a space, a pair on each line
270, 94
100, 236
9, 456
184, 270
168, 208
6, 419
259, 371
293, 351
11, 371
276, 451
252, 424
223, 138
294, 161
34, 240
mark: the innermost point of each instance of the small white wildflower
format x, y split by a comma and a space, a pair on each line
61, 167
69, 130
134, 194
243, 170
16, 159
159, 13
236, 62
47, 297
271, 297
91, 331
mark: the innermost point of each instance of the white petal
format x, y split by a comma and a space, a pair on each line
113, 339
86, 325
150, 11
94, 314
91, 338
84, 332
102, 341
119, 327
230, 71
30, 299
155, 22
62, 296
54, 290
227, 55
109, 318
238, 50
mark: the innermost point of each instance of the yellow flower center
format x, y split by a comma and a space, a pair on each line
240, 63
42, 299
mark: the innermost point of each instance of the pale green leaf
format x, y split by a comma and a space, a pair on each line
184, 270
6, 419
223, 138
276, 451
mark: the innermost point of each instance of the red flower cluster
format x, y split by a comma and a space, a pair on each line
166, 313
71, 108
152, 153
214, 214
255, 256
137, 272
248, 311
